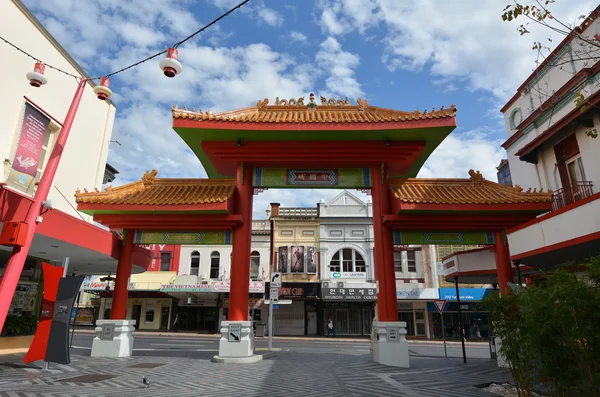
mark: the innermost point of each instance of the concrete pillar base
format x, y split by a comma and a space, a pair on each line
390, 352
244, 348
502, 363
121, 344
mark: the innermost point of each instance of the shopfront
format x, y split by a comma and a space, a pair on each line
196, 306
296, 313
352, 309
149, 313
412, 309
471, 315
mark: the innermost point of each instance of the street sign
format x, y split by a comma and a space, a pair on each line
392, 334
274, 295
235, 333
108, 332
439, 304
276, 280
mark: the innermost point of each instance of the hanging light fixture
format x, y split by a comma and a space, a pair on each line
102, 91
170, 65
37, 78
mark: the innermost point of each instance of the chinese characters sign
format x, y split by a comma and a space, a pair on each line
349, 294
312, 177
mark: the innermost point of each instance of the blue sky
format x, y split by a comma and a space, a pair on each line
403, 55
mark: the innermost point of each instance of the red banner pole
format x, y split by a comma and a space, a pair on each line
13, 270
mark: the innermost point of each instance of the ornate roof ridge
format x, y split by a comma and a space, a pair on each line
294, 105
476, 178
148, 181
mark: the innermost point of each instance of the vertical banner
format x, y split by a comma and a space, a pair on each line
311, 260
31, 139
297, 259
58, 348
282, 261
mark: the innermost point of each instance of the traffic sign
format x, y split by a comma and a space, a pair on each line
235, 333
392, 334
274, 295
439, 304
276, 280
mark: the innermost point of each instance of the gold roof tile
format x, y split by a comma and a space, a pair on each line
330, 111
475, 190
154, 191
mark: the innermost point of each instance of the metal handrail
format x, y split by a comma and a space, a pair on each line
571, 193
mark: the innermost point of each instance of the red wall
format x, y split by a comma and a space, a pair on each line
156, 250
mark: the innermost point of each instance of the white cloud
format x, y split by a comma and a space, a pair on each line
270, 16
449, 39
297, 36
341, 65
460, 152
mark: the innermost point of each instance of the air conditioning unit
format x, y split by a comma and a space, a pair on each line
204, 282
203, 276
340, 284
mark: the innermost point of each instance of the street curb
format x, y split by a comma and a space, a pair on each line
242, 360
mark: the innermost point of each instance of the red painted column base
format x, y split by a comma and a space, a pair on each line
119, 303
503, 263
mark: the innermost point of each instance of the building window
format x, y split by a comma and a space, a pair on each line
347, 260
398, 261
411, 261
308, 232
215, 260
254, 265
575, 170
335, 233
195, 263
165, 261
287, 233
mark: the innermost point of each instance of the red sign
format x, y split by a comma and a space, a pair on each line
29, 149
439, 304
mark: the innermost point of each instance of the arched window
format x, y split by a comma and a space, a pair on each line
194, 263
254, 265
215, 264
347, 260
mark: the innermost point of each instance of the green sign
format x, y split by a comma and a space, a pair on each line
352, 178
212, 237
465, 237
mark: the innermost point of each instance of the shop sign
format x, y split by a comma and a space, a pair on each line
255, 287
354, 275
350, 294
84, 316
405, 306
299, 290
466, 294
253, 303
185, 288
417, 293
93, 283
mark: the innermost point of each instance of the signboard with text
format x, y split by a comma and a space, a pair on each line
185, 288
352, 275
349, 294
255, 287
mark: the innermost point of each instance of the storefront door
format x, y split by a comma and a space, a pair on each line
407, 317
420, 322
136, 313
164, 318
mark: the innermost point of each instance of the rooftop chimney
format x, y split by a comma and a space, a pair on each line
275, 210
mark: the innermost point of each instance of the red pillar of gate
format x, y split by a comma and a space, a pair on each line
503, 264
119, 303
384, 248
240, 263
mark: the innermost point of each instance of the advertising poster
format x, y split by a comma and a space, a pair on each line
311, 260
297, 259
282, 261
31, 139
85, 316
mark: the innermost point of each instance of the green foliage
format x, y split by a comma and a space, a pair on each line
19, 325
549, 332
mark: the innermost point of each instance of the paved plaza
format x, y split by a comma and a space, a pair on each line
296, 370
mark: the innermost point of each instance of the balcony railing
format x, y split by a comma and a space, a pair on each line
571, 193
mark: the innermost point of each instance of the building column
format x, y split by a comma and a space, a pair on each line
503, 264
119, 303
383, 247
240, 266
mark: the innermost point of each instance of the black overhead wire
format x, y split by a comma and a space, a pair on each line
136, 63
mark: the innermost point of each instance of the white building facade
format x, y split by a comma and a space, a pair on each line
552, 122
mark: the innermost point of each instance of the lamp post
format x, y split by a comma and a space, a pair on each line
13, 270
